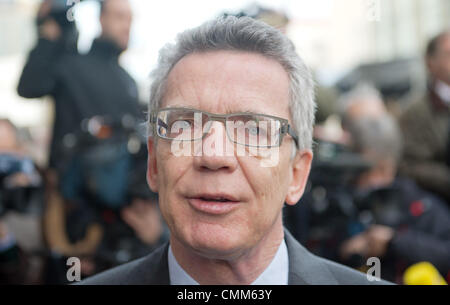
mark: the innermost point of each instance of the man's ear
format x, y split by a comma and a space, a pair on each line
152, 170
301, 165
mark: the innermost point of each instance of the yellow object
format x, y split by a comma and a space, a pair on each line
423, 273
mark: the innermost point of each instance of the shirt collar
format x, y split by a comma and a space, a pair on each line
438, 94
443, 92
275, 274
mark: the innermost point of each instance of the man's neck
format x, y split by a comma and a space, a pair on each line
242, 269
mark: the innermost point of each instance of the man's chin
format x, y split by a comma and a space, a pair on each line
217, 245
222, 252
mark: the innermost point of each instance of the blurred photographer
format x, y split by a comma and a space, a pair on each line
20, 207
426, 123
403, 223
82, 86
95, 167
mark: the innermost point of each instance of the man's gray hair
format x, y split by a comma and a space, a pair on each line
362, 94
362, 91
379, 136
248, 35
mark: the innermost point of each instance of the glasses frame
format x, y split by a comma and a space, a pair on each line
285, 127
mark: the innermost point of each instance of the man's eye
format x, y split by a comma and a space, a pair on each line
255, 130
182, 124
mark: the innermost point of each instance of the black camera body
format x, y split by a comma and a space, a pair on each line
333, 209
104, 163
59, 11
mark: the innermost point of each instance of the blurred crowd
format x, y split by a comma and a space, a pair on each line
379, 185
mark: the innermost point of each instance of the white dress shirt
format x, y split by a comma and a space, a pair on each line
443, 91
275, 274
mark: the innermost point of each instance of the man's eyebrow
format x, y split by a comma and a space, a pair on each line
246, 110
249, 111
176, 105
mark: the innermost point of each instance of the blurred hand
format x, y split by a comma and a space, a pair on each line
51, 179
372, 242
3, 230
145, 220
18, 180
50, 30
358, 244
378, 238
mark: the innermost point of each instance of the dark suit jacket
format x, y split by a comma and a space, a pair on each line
304, 269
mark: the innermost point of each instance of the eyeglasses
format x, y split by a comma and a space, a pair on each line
244, 128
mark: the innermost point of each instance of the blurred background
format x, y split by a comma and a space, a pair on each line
370, 65
340, 41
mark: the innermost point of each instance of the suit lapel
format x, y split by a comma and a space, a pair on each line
304, 267
155, 269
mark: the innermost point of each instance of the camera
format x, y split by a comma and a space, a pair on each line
58, 12
20, 185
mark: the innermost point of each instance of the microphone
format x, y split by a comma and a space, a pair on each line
423, 273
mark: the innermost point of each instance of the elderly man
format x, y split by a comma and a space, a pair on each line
235, 83
409, 224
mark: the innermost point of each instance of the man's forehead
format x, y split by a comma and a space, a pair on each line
443, 44
225, 58
241, 81
229, 108
446, 41
122, 6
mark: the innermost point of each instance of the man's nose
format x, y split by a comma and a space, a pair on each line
217, 151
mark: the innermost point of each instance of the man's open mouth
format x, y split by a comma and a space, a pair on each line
213, 204
220, 199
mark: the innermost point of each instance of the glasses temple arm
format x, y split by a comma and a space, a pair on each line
293, 135
155, 119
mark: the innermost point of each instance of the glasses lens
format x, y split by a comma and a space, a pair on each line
180, 124
254, 130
